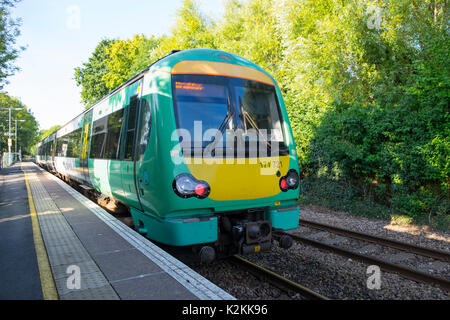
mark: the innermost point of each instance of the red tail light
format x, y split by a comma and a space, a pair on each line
200, 190
283, 184
289, 181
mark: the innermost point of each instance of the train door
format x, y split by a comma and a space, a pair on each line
141, 175
128, 152
84, 156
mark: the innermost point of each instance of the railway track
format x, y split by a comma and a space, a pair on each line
276, 279
404, 271
431, 253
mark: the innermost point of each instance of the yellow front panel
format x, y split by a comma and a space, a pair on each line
240, 179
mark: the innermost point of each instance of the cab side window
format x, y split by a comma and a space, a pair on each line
144, 128
131, 129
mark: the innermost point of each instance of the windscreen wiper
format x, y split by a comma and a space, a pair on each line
222, 127
244, 115
241, 114
226, 120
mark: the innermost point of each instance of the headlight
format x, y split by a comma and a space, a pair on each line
289, 181
292, 179
186, 186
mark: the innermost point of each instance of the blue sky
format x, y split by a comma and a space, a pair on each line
61, 34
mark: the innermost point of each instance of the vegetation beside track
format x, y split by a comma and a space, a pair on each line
27, 126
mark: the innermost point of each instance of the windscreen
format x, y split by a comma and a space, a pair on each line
207, 108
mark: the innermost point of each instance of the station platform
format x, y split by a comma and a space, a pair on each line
57, 244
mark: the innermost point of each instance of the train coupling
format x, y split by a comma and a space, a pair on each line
255, 236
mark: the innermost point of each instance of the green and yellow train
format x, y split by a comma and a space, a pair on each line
198, 146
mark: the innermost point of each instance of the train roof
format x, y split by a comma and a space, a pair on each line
204, 55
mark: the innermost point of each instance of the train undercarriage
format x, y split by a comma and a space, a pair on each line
242, 232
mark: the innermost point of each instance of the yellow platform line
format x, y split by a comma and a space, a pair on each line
47, 283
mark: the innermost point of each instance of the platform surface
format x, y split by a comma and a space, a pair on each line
91, 254
19, 274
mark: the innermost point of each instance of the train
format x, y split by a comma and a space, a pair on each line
198, 147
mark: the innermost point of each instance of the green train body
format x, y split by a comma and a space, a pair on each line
128, 147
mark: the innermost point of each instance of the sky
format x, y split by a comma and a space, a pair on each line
59, 35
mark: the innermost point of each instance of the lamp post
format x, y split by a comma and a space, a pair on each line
9, 133
15, 134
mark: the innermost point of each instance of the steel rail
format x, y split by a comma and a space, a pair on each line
276, 279
387, 266
432, 253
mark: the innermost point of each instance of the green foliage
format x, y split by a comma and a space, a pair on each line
112, 63
250, 30
8, 33
127, 58
340, 195
90, 75
191, 30
393, 140
366, 85
27, 131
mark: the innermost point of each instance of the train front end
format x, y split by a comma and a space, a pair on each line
227, 172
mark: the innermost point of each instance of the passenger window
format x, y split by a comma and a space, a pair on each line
113, 137
58, 152
98, 138
69, 145
106, 136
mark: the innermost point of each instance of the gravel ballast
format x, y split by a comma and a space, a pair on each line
335, 276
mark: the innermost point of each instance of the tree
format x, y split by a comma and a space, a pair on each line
8, 33
191, 30
112, 63
250, 30
27, 131
385, 127
90, 75
127, 58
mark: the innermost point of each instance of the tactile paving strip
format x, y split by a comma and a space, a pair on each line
191, 280
64, 249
